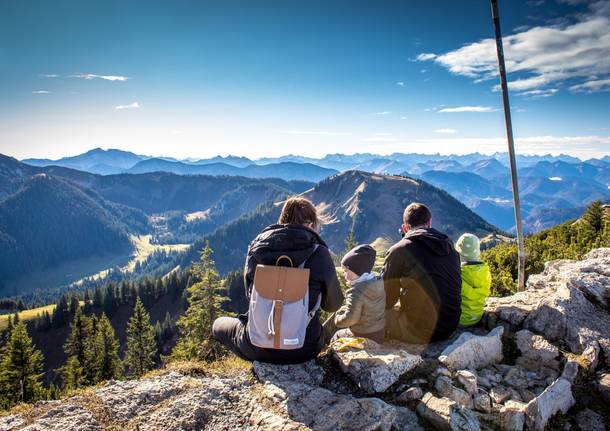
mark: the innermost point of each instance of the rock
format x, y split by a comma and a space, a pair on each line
411, 394
441, 372
474, 352
484, 382
445, 388
556, 398
406, 420
536, 351
558, 304
570, 371
590, 357
499, 394
66, 417
588, 420
603, 386
11, 422
376, 367
482, 402
511, 416
445, 414
295, 403
308, 372
517, 378
526, 395
469, 380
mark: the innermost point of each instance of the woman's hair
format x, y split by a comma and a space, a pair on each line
299, 211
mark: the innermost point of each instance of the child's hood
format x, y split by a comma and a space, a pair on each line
476, 275
370, 287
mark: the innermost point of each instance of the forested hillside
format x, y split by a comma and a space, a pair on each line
49, 221
570, 240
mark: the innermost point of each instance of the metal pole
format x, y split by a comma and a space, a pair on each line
511, 145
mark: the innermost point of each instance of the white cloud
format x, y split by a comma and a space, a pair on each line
426, 56
541, 55
41, 92
468, 109
547, 92
313, 132
446, 131
48, 75
592, 86
403, 118
400, 83
130, 106
382, 113
90, 76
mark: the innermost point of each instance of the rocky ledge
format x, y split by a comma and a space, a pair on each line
540, 360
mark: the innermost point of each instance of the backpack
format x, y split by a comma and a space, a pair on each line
278, 313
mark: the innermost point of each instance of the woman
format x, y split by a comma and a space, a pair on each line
295, 236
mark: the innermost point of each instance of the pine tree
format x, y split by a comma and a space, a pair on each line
79, 350
204, 306
594, 215
20, 368
141, 345
350, 241
106, 348
73, 374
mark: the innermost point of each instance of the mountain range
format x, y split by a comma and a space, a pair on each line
562, 183
368, 205
55, 215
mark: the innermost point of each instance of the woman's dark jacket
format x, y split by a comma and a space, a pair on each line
299, 243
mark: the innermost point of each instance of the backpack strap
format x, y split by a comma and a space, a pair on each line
315, 248
316, 307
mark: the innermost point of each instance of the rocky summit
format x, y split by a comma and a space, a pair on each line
539, 360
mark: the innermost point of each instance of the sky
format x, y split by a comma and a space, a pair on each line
269, 78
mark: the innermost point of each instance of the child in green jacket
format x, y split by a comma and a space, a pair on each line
476, 279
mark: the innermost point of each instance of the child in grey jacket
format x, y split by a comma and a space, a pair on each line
363, 313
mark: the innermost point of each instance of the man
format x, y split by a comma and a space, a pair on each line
423, 271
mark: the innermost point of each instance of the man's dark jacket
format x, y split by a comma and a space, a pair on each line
423, 270
299, 243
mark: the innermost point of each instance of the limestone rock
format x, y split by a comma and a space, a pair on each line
588, 420
289, 399
468, 379
499, 394
406, 420
411, 394
66, 417
482, 402
557, 304
603, 386
474, 352
510, 417
556, 398
376, 367
445, 414
308, 372
570, 371
536, 351
445, 388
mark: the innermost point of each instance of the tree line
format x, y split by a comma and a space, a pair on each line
92, 347
570, 240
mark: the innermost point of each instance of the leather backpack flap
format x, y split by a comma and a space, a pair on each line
281, 283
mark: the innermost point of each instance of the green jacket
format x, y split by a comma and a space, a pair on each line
364, 308
476, 287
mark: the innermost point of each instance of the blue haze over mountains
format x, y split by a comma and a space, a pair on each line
553, 188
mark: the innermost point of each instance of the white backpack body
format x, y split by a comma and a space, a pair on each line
278, 314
